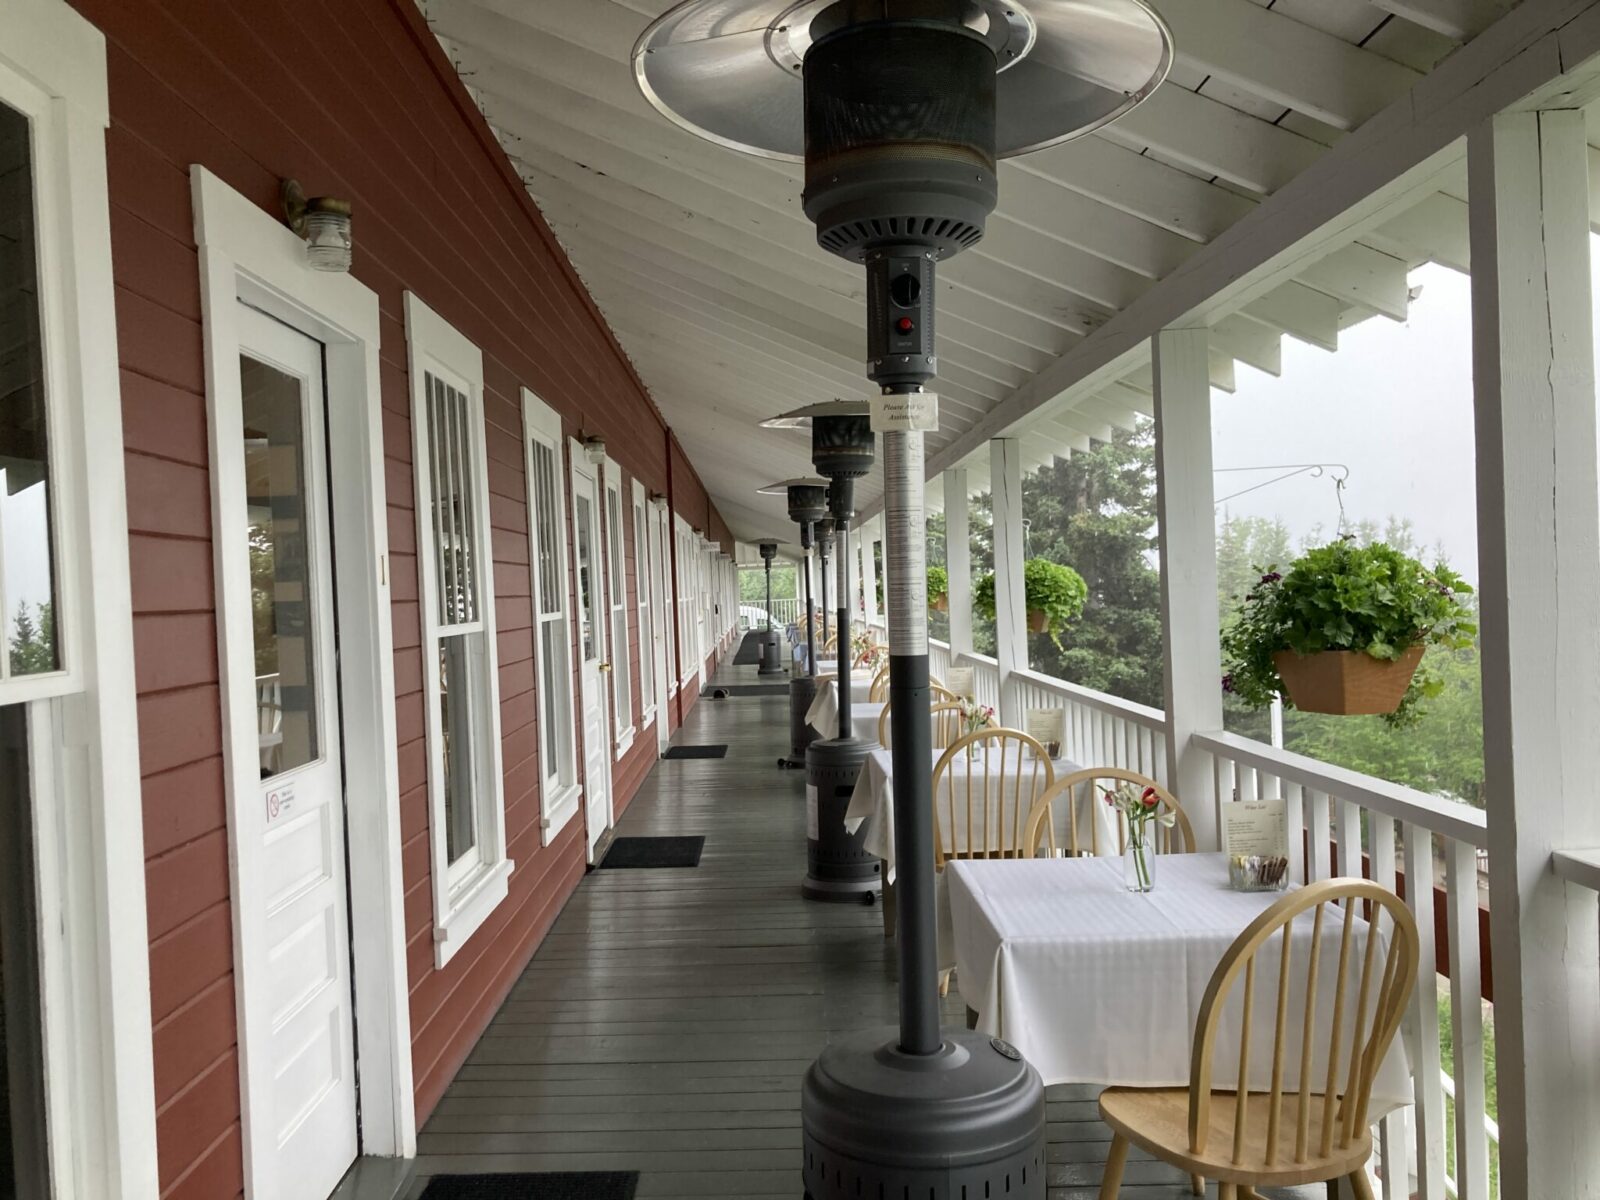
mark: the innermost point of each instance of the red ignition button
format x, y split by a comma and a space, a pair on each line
905, 324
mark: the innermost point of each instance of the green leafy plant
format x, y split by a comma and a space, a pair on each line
1048, 587
938, 584
1342, 596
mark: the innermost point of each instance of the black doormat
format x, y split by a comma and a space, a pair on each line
630, 852
542, 1185
715, 751
755, 689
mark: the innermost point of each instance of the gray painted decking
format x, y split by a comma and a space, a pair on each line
666, 1022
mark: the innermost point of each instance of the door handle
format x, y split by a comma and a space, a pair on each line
604, 667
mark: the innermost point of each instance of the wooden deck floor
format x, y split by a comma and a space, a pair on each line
666, 1022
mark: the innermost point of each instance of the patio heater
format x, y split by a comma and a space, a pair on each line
808, 502
771, 664
838, 866
899, 110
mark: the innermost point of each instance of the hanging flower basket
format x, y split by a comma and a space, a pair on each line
1347, 683
938, 589
940, 604
1038, 621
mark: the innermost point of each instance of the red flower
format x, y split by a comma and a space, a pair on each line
1150, 799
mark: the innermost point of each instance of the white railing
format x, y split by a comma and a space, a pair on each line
1342, 822
1101, 730
938, 659
985, 677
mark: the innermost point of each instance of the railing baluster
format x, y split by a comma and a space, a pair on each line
1349, 816
1294, 804
1424, 1018
1321, 857
1466, 1022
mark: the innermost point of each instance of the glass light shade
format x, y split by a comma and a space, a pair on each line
328, 241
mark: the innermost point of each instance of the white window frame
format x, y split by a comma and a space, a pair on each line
684, 586
463, 895
613, 488
645, 614
560, 793
669, 575
88, 834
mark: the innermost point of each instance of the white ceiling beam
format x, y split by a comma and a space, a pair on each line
1279, 59
1301, 312
1361, 275
1250, 342
1461, 20
1435, 229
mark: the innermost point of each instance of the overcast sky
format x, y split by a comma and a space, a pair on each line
1394, 405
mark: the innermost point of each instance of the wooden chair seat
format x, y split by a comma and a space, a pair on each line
1157, 1119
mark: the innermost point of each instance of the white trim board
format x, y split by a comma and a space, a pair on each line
88, 829
246, 254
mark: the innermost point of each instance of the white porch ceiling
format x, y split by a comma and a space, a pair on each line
710, 275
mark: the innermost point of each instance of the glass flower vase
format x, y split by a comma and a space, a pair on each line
1139, 859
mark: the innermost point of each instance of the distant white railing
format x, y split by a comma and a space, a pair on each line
1101, 730
985, 677
1342, 822
938, 659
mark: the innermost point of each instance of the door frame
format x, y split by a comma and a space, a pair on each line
87, 827
656, 524
245, 254
578, 464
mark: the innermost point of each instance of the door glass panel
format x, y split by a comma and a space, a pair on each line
27, 574
588, 585
282, 595
455, 727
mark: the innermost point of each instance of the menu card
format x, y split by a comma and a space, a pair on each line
1047, 726
1256, 828
959, 680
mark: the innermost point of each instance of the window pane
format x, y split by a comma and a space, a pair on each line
456, 685
27, 575
551, 582
552, 643
588, 585
647, 654
282, 591
454, 491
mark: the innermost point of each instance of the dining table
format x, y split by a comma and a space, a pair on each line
1098, 984
823, 715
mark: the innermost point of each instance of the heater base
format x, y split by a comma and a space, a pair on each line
771, 660
802, 691
968, 1121
838, 868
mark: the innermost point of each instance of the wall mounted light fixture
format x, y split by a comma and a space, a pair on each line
324, 223
595, 449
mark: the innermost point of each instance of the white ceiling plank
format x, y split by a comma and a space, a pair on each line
1364, 276
1301, 312
1461, 20
1141, 186
1215, 139
1280, 59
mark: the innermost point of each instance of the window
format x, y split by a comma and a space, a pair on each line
617, 595
669, 617
552, 642
465, 790
29, 631
642, 596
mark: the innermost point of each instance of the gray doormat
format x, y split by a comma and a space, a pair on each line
648, 852
719, 750
545, 1185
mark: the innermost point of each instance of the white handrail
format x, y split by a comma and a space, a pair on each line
1454, 820
1127, 710
1578, 866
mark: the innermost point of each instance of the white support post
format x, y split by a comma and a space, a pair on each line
1010, 607
1190, 618
1539, 556
958, 560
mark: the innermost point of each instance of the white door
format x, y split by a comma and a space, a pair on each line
293, 919
588, 535
661, 626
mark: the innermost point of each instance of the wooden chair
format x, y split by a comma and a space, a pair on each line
945, 720
1320, 1131
939, 694
879, 692
830, 645
996, 833
1081, 794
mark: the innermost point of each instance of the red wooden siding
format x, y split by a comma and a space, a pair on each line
360, 103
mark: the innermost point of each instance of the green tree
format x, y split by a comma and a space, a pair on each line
33, 640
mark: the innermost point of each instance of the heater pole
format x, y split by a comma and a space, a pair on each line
822, 555
811, 639
841, 525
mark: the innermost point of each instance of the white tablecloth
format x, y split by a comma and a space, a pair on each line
1096, 984
873, 801
823, 715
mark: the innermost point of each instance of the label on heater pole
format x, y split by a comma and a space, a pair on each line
813, 826
917, 412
